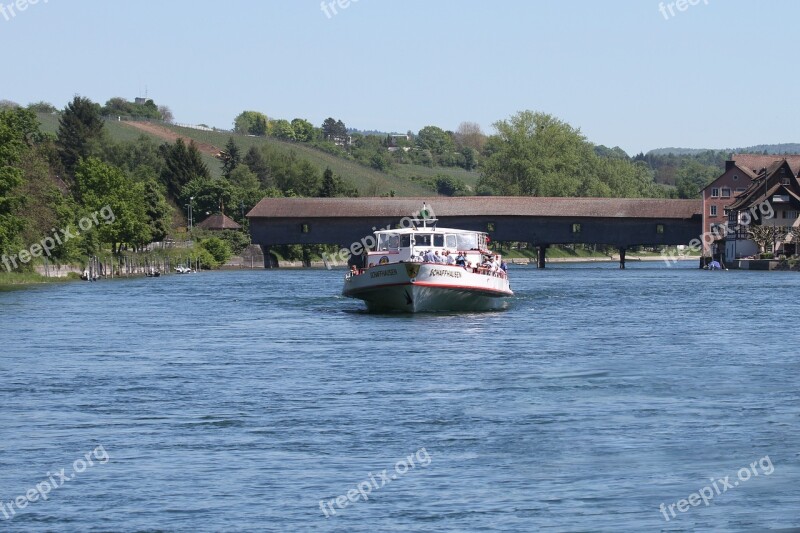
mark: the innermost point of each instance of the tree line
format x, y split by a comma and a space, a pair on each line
53, 181
531, 154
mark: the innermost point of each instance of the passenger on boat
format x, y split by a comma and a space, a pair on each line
503, 266
437, 258
461, 260
354, 270
429, 257
448, 258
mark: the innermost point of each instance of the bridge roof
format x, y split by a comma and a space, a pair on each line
487, 206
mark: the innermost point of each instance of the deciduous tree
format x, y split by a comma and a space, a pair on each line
251, 123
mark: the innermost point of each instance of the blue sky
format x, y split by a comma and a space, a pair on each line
718, 74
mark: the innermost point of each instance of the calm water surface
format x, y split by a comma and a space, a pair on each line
237, 401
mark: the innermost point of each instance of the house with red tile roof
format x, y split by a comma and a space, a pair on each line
772, 200
740, 171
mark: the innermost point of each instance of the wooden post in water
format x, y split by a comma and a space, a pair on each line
542, 251
622, 258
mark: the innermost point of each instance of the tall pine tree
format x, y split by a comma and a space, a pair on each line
79, 128
230, 157
181, 165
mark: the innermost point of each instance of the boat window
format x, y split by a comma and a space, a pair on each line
450, 241
388, 241
467, 241
423, 239
438, 240
405, 240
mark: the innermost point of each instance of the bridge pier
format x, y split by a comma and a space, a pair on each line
540, 260
269, 261
306, 257
622, 258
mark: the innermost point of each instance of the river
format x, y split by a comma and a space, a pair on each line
264, 401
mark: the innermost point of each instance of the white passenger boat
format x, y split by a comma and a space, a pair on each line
426, 268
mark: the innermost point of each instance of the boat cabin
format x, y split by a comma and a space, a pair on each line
411, 244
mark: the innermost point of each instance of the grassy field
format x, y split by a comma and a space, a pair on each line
116, 130
407, 171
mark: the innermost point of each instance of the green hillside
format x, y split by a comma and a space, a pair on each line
122, 132
370, 182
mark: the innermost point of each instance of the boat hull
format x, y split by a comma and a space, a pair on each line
423, 287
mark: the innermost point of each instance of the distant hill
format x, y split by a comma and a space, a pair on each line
784, 148
678, 151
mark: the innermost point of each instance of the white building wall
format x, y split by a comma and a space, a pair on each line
736, 249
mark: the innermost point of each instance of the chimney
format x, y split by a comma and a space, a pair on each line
729, 165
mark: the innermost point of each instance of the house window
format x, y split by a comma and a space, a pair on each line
784, 181
576, 228
660, 229
305, 228
713, 211
735, 177
792, 214
715, 192
726, 192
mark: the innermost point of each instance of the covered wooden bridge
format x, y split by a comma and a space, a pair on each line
619, 222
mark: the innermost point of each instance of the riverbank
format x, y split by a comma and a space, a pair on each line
611, 259
11, 279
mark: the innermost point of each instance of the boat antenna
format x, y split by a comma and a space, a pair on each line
426, 216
